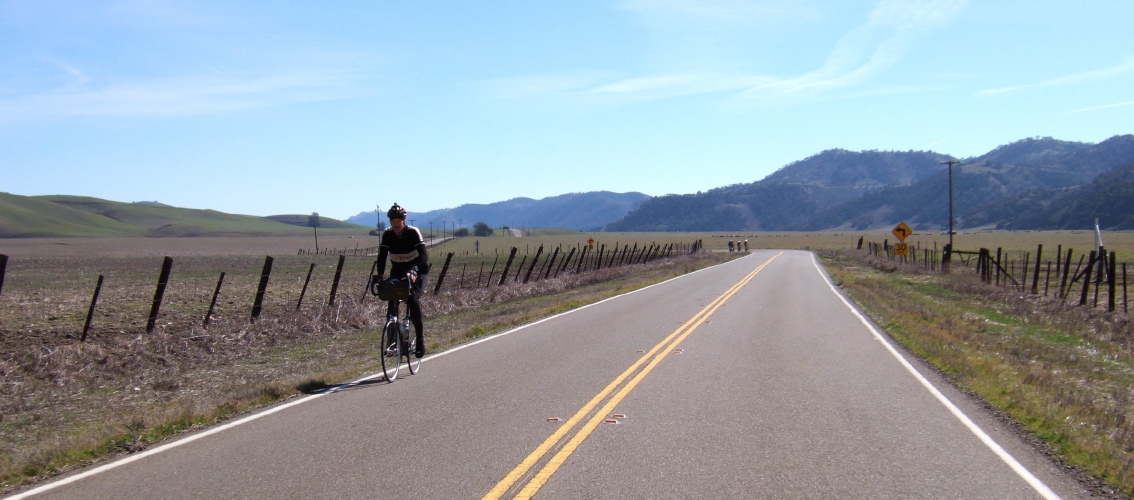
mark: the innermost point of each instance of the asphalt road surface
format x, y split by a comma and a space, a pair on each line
752, 379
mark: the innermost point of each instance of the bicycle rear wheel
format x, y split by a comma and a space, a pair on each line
391, 351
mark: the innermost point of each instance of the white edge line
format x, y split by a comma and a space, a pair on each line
159, 449
250, 418
1016, 466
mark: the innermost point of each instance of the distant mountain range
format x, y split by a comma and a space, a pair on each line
1037, 183
580, 211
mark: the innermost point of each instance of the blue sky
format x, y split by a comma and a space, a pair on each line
268, 108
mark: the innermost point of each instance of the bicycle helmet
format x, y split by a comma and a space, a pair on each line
396, 212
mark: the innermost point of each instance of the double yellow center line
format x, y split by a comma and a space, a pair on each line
650, 360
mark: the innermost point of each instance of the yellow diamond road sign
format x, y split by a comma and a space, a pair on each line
902, 231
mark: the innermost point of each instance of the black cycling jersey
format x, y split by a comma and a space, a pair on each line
404, 252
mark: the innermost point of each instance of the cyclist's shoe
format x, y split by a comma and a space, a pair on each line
419, 351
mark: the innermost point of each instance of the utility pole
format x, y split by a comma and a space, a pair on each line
948, 256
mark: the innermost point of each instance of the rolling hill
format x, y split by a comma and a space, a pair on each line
80, 216
836, 189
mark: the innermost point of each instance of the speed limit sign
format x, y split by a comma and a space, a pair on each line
901, 249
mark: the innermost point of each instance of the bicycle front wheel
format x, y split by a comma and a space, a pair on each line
412, 360
391, 351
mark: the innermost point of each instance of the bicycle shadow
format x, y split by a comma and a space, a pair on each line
319, 387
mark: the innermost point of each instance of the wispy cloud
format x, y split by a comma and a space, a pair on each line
1126, 67
1105, 106
201, 93
608, 88
890, 31
672, 85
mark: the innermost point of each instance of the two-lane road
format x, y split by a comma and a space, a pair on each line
752, 379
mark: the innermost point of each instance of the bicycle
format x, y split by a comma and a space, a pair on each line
396, 340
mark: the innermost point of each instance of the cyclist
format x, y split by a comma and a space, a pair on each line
405, 248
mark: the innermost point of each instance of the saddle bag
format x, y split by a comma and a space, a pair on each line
394, 289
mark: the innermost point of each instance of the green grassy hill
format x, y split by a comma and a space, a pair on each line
80, 216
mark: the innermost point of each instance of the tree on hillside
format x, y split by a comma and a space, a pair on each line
313, 223
482, 229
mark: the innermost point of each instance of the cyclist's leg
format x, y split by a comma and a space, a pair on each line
419, 328
391, 310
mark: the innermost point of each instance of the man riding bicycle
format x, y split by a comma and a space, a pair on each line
405, 248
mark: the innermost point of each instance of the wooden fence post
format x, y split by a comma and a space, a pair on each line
335, 283
1047, 278
214, 302
1087, 278
1063, 282
566, 262
982, 264
1125, 299
305, 282
492, 271
946, 258
1100, 278
551, 263
999, 267
1113, 282
528, 276
3, 270
166, 266
444, 269
258, 303
1035, 277
508, 265
90, 312
582, 257
1058, 259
